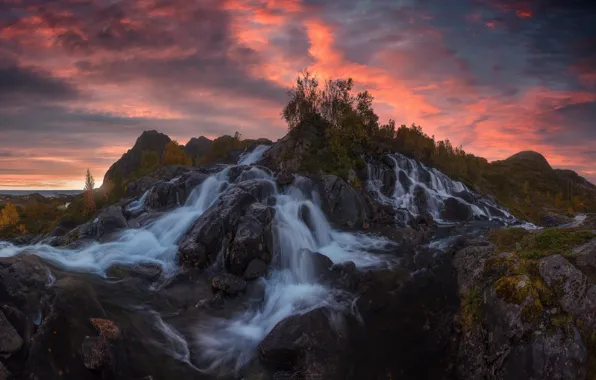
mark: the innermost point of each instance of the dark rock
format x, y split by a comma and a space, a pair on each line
466, 196
5, 373
455, 210
284, 178
196, 147
423, 222
256, 268
404, 181
162, 195
558, 355
147, 271
420, 200
469, 263
319, 264
131, 160
554, 219
110, 220
23, 325
308, 344
95, 352
341, 202
228, 283
23, 282
10, 341
59, 338
250, 239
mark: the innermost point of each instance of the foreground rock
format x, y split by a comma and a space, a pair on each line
10, 341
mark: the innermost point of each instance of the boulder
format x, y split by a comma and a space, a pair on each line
466, 196
469, 263
575, 293
341, 202
206, 237
308, 345
318, 265
284, 178
95, 352
163, 195
554, 219
5, 373
10, 341
420, 200
455, 210
255, 269
558, 355
23, 282
145, 271
229, 283
110, 220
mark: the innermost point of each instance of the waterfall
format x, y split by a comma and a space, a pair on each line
292, 287
254, 156
420, 189
155, 243
139, 204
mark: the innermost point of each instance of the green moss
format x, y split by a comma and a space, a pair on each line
471, 308
515, 289
561, 320
553, 241
506, 239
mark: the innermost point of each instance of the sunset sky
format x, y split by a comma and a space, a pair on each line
81, 79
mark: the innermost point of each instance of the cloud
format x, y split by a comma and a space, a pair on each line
85, 78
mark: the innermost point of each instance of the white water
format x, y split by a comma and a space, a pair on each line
292, 287
254, 156
138, 205
156, 243
437, 188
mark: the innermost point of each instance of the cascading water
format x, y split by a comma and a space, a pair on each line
419, 189
254, 156
292, 287
155, 243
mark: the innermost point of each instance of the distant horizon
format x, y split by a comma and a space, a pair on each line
84, 79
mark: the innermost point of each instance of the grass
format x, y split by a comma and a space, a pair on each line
535, 245
471, 308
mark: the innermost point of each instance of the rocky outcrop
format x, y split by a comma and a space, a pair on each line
131, 161
516, 324
345, 206
196, 147
455, 210
10, 341
213, 232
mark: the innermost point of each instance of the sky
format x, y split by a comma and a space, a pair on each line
80, 80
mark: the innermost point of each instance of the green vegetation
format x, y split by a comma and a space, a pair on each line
174, 155
471, 308
346, 126
534, 245
222, 146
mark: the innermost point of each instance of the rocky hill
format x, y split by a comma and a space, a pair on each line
195, 148
131, 161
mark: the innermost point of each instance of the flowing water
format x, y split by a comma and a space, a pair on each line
292, 287
419, 189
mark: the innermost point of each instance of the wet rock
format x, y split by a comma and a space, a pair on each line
466, 196
424, 223
23, 282
5, 373
110, 220
308, 344
250, 239
59, 338
404, 181
106, 328
95, 352
23, 325
228, 283
341, 202
162, 195
256, 268
455, 210
10, 341
146, 271
318, 264
284, 178
420, 200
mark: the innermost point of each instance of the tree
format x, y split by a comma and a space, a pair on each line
107, 188
89, 196
9, 215
174, 155
149, 161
